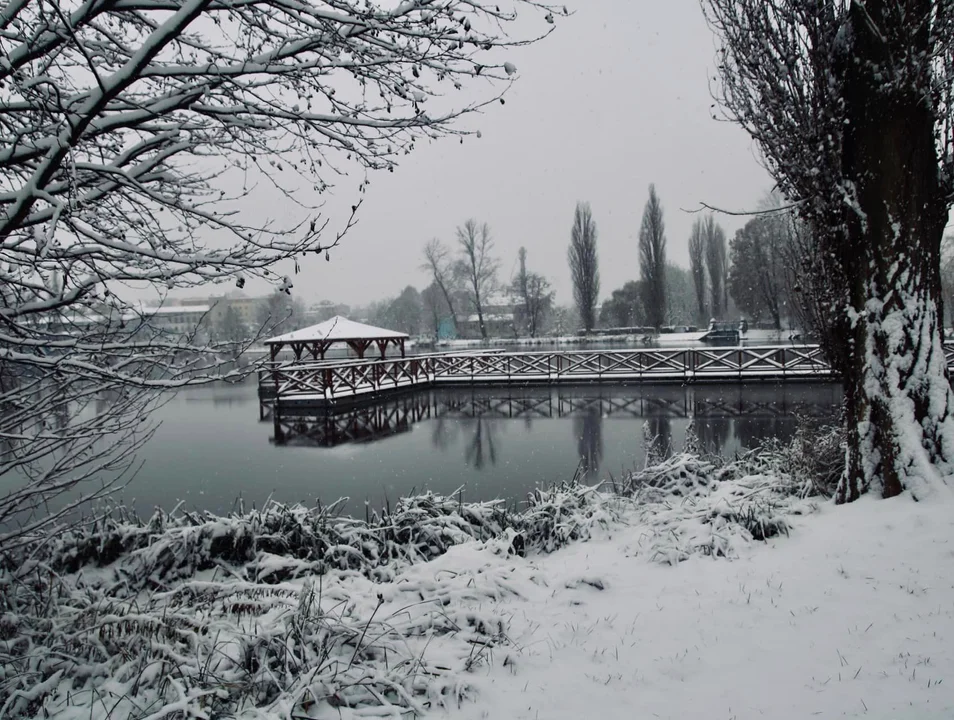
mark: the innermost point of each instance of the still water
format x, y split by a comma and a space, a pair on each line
212, 448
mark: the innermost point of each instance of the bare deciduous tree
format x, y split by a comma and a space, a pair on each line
652, 259
435, 306
534, 293
122, 126
697, 266
437, 261
477, 266
852, 106
584, 265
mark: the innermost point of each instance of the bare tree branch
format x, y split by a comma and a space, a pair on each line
122, 124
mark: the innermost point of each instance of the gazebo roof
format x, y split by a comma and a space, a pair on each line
337, 329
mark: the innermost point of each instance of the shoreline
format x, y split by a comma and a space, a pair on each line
226, 596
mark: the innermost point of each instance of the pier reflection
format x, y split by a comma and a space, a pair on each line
749, 414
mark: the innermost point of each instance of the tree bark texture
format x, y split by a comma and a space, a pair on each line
900, 431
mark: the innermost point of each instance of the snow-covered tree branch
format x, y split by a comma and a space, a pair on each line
131, 132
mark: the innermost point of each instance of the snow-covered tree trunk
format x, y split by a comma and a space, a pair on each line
899, 399
852, 106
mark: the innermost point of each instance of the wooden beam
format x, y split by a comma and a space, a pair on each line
359, 346
317, 348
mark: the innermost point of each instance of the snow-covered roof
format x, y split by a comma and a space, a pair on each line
172, 310
337, 329
488, 317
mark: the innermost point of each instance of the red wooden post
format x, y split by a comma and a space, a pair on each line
273, 352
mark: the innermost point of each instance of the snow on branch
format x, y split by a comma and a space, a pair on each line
126, 130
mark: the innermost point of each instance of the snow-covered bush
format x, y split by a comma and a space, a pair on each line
565, 513
814, 459
221, 647
269, 612
274, 544
695, 505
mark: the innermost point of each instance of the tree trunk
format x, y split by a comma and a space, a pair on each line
480, 321
900, 431
450, 306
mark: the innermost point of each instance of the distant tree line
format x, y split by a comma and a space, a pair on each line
465, 284
747, 277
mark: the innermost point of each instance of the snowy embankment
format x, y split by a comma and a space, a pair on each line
658, 599
852, 615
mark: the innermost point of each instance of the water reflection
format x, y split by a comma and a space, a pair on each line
480, 421
482, 446
588, 428
497, 443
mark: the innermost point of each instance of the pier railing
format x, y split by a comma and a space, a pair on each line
334, 380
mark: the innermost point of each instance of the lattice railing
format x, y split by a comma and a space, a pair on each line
331, 380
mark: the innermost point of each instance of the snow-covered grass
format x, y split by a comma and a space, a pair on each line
851, 615
693, 587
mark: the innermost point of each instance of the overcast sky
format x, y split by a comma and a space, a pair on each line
615, 99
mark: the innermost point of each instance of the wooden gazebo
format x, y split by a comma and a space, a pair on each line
318, 338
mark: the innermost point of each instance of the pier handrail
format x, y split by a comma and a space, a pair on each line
342, 378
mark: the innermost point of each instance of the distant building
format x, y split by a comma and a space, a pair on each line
499, 317
175, 320
181, 315
248, 309
325, 310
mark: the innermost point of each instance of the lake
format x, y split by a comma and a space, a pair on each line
212, 448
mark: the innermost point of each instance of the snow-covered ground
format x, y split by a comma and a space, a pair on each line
850, 616
659, 603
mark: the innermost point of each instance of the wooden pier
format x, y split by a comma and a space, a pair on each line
316, 384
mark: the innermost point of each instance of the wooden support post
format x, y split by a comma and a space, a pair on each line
273, 353
401, 341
